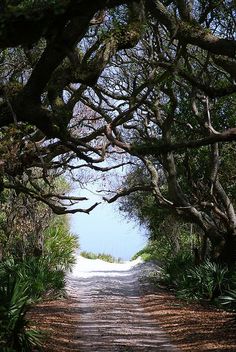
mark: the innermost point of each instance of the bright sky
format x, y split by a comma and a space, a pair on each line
105, 230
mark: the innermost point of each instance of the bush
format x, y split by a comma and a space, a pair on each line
206, 281
15, 336
60, 245
21, 284
229, 299
42, 278
103, 256
23, 281
152, 251
175, 267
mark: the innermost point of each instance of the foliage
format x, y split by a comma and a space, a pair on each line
23, 221
103, 256
15, 297
60, 245
205, 281
42, 278
29, 228
152, 251
228, 299
175, 267
24, 281
45, 274
145, 253
166, 232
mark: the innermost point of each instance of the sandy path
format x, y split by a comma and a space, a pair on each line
111, 316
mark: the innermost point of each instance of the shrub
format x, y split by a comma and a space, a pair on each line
175, 267
152, 251
229, 299
14, 303
24, 281
205, 281
42, 278
103, 256
60, 245
21, 284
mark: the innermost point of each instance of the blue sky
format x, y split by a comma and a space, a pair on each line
105, 230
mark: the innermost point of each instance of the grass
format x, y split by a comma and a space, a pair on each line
103, 256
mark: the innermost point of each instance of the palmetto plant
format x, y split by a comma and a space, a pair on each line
60, 245
175, 268
15, 334
229, 299
25, 280
207, 280
43, 279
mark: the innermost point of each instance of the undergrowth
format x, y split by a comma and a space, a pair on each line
207, 281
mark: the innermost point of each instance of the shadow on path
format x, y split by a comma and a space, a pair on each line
104, 313
111, 316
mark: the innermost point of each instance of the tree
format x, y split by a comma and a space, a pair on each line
167, 233
29, 228
173, 125
43, 77
157, 99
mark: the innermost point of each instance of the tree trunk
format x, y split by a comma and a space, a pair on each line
204, 248
1, 251
224, 251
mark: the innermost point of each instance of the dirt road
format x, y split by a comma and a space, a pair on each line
103, 312
111, 318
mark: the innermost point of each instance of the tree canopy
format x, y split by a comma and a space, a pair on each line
101, 84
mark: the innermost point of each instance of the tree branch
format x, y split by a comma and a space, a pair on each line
158, 147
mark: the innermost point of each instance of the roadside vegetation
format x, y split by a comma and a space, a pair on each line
37, 250
207, 281
191, 279
189, 267
103, 256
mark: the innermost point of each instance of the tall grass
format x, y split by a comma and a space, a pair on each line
103, 256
